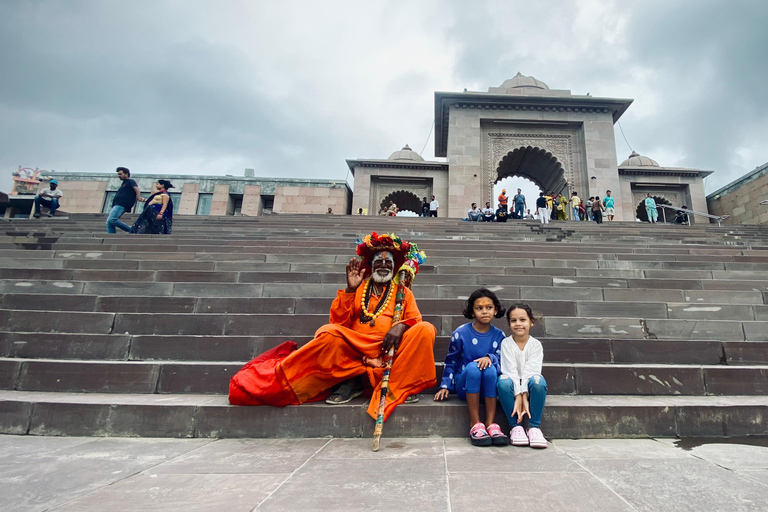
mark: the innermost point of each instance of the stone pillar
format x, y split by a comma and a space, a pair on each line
189, 197
220, 200
251, 201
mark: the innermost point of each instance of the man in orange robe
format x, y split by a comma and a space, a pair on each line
350, 346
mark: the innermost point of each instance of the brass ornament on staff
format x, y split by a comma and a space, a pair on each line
403, 279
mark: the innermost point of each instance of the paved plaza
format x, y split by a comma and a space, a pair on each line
419, 474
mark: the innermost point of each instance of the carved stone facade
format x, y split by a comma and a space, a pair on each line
381, 189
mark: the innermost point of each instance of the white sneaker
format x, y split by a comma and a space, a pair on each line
537, 439
518, 437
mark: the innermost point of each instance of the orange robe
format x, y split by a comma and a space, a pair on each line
286, 376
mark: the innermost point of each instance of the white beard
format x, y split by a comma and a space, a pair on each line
381, 279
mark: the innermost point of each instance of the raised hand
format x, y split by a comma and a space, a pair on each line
355, 273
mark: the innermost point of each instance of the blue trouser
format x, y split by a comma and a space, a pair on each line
519, 210
475, 380
488, 219
575, 212
537, 395
113, 221
52, 204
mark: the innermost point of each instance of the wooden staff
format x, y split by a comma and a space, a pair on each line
388, 361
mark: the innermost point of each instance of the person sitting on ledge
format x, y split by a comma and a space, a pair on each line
474, 214
350, 349
48, 197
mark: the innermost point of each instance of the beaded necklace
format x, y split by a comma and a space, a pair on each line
365, 315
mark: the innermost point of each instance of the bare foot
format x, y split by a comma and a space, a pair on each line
374, 362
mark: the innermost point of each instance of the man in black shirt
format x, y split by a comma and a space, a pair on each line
124, 201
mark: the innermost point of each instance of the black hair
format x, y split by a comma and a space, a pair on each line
480, 293
524, 307
125, 171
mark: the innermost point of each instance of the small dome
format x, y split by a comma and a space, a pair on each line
406, 154
520, 80
636, 160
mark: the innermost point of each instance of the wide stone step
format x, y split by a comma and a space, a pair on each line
306, 324
213, 377
582, 417
126, 347
583, 308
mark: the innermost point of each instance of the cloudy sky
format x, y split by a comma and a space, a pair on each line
294, 88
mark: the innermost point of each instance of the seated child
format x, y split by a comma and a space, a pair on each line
521, 388
472, 365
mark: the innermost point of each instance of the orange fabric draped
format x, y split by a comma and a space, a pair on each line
285, 376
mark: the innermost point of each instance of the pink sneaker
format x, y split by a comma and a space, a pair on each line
518, 436
537, 439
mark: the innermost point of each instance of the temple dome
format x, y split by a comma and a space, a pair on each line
406, 154
520, 80
636, 160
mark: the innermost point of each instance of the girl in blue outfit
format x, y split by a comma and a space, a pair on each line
472, 365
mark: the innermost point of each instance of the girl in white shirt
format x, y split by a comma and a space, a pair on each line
521, 388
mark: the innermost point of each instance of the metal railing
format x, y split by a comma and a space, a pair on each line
718, 218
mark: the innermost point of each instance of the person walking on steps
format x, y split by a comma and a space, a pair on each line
124, 201
650, 209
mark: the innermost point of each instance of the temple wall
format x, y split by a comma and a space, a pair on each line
189, 195
80, 196
311, 200
742, 203
251, 200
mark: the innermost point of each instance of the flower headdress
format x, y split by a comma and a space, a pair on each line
407, 255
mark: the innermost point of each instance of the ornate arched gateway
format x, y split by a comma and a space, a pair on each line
536, 164
404, 200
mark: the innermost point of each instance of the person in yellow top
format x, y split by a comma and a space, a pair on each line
562, 207
575, 202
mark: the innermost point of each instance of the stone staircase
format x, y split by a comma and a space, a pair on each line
647, 330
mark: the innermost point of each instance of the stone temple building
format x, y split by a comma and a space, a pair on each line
561, 141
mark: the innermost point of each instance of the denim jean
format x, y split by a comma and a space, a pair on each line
113, 221
475, 380
519, 210
575, 212
537, 395
52, 204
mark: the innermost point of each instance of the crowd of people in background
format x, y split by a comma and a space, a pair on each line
549, 206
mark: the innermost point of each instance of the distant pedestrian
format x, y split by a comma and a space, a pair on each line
608, 203
589, 208
597, 210
501, 215
124, 201
424, 207
575, 202
650, 209
433, 206
360, 211
562, 207
392, 210
488, 214
681, 217
474, 214
157, 217
503, 200
542, 209
520, 204
330, 211
48, 197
